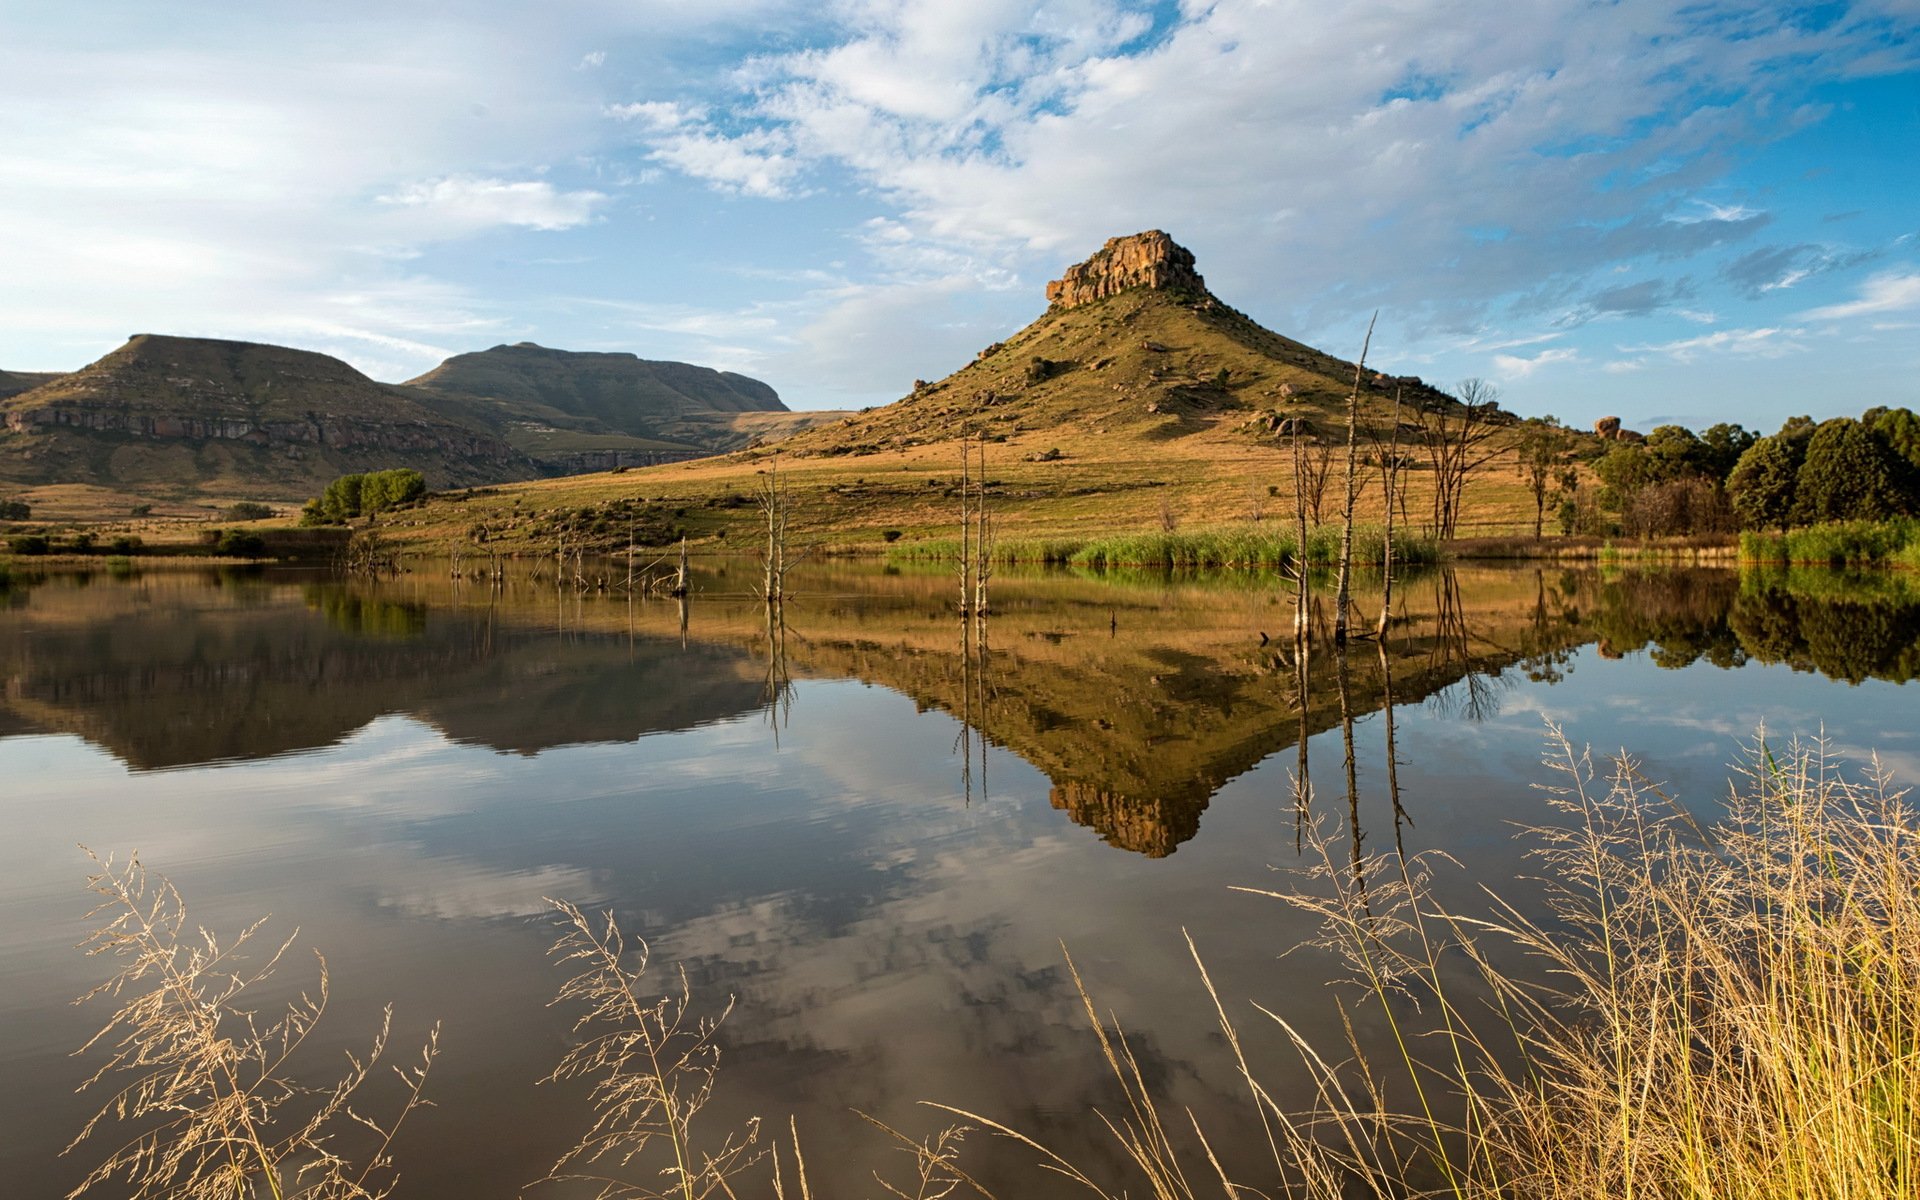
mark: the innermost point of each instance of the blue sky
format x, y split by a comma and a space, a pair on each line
1697, 213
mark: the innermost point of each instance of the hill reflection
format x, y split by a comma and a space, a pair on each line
1137, 702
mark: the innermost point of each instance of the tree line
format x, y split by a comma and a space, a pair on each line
1727, 478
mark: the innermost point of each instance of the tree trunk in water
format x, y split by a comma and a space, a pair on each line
1344, 584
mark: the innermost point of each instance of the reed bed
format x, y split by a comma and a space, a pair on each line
1894, 543
1226, 547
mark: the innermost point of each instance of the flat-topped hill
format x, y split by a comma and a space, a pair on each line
202, 413
593, 395
1132, 345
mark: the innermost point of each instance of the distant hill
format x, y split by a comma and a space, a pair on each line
1133, 348
231, 418
234, 418
551, 403
12, 383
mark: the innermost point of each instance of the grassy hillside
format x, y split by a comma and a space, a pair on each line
12, 383
1148, 409
539, 398
202, 415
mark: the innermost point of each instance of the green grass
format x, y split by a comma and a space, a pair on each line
1838, 544
1242, 546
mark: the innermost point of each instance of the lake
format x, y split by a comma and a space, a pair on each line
874, 826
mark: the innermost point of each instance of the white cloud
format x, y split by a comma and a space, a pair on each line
1889, 292
463, 204
1346, 149
1514, 366
1744, 343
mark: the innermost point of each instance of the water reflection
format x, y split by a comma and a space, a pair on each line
1137, 710
890, 921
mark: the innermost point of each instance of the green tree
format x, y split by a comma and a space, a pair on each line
1624, 471
1675, 453
382, 490
1899, 428
1723, 445
1543, 448
1851, 475
1762, 484
15, 510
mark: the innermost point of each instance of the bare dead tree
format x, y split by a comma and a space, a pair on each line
1318, 468
1388, 459
1344, 579
1456, 437
966, 526
1300, 625
776, 510
983, 541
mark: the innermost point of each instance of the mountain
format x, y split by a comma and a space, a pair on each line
235, 417
553, 403
1132, 348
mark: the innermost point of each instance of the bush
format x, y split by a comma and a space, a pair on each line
238, 543
15, 510
140, 510
28, 544
249, 510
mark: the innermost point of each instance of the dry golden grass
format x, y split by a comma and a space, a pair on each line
200, 1080
1729, 1012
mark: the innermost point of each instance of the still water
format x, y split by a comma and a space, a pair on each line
874, 828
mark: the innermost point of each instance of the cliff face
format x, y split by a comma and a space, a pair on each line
1149, 260
197, 411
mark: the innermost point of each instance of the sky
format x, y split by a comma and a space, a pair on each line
1693, 213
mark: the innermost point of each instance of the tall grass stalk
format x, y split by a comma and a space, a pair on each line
199, 1074
1730, 1012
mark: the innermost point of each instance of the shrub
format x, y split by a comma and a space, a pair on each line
15, 510
238, 543
249, 510
28, 544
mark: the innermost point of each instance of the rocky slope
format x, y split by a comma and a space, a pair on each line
234, 417
1132, 345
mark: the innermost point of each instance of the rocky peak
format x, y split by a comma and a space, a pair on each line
1150, 260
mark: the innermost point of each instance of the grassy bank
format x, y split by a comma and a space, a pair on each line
1894, 543
1232, 546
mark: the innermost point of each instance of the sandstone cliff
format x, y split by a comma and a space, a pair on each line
1144, 260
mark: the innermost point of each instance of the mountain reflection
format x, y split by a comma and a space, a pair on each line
1137, 702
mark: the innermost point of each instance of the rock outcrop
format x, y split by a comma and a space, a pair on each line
1144, 260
